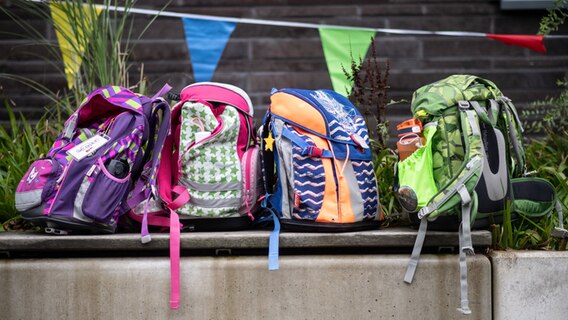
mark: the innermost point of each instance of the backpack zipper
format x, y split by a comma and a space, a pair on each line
58, 185
247, 180
336, 177
213, 135
235, 89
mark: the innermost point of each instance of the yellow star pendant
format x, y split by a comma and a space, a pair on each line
269, 142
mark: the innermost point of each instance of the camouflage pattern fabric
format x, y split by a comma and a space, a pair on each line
457, 140
466, 172
435, 98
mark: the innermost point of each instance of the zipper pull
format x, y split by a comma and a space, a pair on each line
90, 172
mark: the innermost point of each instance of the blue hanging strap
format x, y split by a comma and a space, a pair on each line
273, 244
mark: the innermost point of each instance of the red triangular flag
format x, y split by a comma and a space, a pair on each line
532, 42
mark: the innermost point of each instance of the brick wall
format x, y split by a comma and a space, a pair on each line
258, 58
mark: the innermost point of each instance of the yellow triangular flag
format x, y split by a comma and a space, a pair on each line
72, 39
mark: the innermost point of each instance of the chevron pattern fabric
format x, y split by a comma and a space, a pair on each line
309, 182
368, 186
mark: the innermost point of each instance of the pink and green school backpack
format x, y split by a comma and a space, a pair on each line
211, 159
209, 175
100, 166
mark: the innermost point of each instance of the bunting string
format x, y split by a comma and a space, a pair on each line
207, 36
171, 14
308, 25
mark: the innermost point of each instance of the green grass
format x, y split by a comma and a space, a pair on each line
384, 162
548, 158
19, 147
108, 42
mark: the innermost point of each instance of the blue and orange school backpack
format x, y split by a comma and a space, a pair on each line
317, 165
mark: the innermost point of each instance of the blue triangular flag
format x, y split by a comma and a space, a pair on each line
206, 40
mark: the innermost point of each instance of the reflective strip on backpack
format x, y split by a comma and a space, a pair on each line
210, 186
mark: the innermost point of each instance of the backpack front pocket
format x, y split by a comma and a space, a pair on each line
210, 166
308, 185
305, 176
101, 192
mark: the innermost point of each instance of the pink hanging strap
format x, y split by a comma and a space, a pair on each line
175, 197
174, 259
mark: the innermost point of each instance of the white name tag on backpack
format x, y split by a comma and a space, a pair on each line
88, 146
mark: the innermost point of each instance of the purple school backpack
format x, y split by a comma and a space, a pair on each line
87, 181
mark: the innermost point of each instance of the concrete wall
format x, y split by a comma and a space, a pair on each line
305, 287
530, 285
258, 58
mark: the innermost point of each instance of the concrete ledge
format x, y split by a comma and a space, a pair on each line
530, 285
387, 238
305, 287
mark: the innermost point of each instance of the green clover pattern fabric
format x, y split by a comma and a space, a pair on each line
212, 162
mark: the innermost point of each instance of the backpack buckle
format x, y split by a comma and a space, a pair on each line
314, 151
424, 212
463, 105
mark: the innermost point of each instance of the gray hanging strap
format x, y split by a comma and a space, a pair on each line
464, 300
559, 231
560, 215
466, 219
415, 256
466, 247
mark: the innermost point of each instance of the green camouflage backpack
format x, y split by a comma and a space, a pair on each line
471, 167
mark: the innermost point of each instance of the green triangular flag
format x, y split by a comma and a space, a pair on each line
338, 46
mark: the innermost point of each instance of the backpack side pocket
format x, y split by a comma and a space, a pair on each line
415, 175
37, 185
252, 181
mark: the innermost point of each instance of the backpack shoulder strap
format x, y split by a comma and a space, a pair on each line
169, 166
155, 142
267, 163
161, 171
515, 130
158, 122
267, 158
